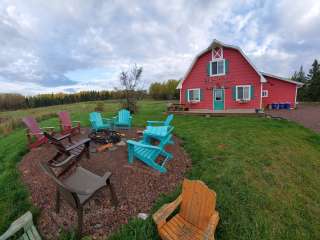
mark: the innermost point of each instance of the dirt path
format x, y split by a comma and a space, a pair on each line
306, 114
137, 187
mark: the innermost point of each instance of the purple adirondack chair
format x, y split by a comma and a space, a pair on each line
66, 125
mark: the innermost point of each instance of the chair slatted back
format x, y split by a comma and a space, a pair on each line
198, 203
164, 141
65, 118
168, 120
33, 126
68, 193
123, 116
61, 148
96, 119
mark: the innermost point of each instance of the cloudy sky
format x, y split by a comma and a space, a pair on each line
53, 46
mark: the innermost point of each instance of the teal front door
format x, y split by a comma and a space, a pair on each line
218, 99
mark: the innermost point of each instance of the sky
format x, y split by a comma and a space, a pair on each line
74, 45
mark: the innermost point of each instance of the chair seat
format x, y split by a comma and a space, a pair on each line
178, 228
84, 180
143, 152
156, 131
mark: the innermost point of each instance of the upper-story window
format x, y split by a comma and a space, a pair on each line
217, 67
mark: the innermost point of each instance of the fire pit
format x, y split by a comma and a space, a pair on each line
105, 137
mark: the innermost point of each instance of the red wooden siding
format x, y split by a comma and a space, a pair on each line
240, 73
279, 91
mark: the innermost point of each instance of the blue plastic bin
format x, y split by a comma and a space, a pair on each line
287, 106
281, 106
275, 105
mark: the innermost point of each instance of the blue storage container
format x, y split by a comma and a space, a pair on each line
275, 105
281, 105
287, 106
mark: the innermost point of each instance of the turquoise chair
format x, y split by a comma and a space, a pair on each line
161, 123
99, 123
157, 133
148, 153
123, 120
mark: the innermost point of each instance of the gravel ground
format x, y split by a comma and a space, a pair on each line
306, 114
137, 186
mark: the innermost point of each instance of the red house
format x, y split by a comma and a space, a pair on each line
222, 78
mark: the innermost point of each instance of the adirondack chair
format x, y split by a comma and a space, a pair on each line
197, 217
123, 120
98, 123
78, 188
35, 133
157, 133
66, 125
149, 153
161, 123
24, 222
67, 154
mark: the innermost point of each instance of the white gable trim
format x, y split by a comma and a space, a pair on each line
216, 42
300, 84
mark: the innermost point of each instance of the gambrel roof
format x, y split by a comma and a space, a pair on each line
216, 43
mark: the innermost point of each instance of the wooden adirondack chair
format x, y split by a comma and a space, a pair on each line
123, 120
35, 133
157, 133
66, 125
99, 123
149, 153
78, 188
24, 222
161, 123
68, 154
197, 218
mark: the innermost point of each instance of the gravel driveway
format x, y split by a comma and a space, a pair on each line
307, 114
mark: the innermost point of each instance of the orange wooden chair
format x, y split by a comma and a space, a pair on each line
197, 218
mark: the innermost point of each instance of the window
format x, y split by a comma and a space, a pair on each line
243, 93
194, 95
265, 93
217, 67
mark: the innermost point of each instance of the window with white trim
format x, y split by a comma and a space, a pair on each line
194, 95
265, 93
217, 67
243, 93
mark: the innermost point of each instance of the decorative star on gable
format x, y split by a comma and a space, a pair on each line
217, 53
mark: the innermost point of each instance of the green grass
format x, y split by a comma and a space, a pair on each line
265, 173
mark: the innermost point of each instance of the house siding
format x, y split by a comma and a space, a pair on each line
240, 73
279, 91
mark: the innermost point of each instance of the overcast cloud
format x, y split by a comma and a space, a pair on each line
51, 46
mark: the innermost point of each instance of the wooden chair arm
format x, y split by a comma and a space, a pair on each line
64, 137
160, 217
47, 128
150, 123
212, 225
25, 221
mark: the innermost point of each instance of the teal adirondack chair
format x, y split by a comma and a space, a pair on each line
157, 133
149, 153
123, 120
98, 122
24, 222
161, 123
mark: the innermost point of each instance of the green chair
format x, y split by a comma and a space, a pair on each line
24, 222
99, 123
148, 153
123, 119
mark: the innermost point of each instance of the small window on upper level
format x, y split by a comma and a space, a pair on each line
265, 93
217, 67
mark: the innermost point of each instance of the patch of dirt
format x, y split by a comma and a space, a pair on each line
137, 186
306, 114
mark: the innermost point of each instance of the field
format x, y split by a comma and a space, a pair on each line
265, 172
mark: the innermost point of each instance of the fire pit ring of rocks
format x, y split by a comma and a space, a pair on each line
105, 136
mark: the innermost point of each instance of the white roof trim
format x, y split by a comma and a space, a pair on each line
282, 79
216, 42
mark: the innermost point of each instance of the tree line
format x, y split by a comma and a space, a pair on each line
164, 91
310, 91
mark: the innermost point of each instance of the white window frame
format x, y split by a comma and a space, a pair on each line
265, 93
249, 95
224, 66
194, 89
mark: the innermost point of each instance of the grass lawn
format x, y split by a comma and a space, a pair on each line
265, 173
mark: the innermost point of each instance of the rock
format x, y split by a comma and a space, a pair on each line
143, 216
